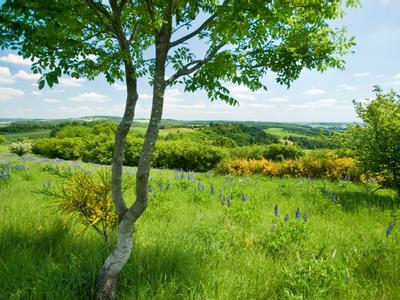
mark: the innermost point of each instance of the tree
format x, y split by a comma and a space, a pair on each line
376, 142
242, 41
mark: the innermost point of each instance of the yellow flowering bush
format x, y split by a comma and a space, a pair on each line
89, 197
333, 168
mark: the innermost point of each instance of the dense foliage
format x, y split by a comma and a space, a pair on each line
2, 139
376, 142
20, 148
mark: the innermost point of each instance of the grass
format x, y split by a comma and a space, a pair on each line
30, 134
189, 246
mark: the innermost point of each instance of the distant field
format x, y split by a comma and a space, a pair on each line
30, 135
282, 133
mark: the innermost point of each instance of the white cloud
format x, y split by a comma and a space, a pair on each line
73, 82
90, 97
15, 59
145, 96
397, 76
259, 105
119, 86
365, 74
27, 76
346, 87
320, 104
172, 96
279, 99
36, 93
73, 109
9, 93
6, 76
314, 92
52, 100
241, 93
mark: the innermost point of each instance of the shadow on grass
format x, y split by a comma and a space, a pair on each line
46, 263
169, 271
55, 264
353, 200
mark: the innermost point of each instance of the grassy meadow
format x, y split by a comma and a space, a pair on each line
189, 245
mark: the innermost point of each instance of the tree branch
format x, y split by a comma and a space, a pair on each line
193, 33
213, 51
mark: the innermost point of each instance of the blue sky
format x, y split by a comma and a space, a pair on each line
314, 97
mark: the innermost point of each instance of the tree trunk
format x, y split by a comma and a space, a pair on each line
107, 279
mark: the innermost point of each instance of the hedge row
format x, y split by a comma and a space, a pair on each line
172, 154
331, 168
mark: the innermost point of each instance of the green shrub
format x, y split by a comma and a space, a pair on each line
67, 148
20, 148
2, 139
186, 155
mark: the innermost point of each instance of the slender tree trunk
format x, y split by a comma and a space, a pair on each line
107, 279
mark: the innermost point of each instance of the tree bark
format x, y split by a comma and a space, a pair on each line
107, 278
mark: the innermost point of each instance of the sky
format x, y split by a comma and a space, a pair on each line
314, 97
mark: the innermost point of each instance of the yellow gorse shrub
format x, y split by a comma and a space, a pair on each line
89, 197
332, 168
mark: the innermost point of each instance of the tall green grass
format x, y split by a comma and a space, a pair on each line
188, 245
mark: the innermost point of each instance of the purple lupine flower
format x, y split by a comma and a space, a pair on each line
160, 186
188, 176
48, 184
19, 167
334, 196
389, 229
212, 189
244, 198
44, 184
286, 218
220, 195
228, 202
8, 173
182, 175
298, 213
327, 194
273, 228
276, 212
199, 186
305, 218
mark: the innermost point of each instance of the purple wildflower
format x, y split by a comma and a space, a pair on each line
389, 229
212, 189
305, 218
298, 213
228, 202
334, 196
182, 175
286, 218
244, 198
160, 186
220, 195
276, 212
48, 183
273, 229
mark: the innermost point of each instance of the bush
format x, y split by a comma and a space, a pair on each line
334, 168
89, 198
20, 148
67, 148
276, 152
186, 155
2, 139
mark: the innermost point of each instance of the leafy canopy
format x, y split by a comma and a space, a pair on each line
376, 143
242, 40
